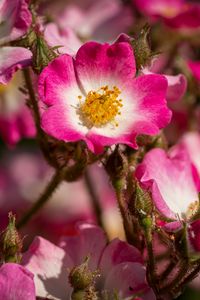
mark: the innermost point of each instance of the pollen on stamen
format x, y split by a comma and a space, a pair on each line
100, 107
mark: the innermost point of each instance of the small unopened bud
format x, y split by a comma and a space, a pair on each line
11, 244
142, 50
143, 202
81, 277
42, 53
117, 168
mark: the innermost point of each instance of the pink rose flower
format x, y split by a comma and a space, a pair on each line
16, 120
97, 20
95, 97
16, 282
15, 19
178, 14
169, 178
119, 264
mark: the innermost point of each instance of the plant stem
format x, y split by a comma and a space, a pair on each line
33, 100
52, 185
151, 264
189, 277
94, 198
127, 222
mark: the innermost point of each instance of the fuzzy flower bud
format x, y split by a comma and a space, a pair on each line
80, 276
42, 53
11, 244
142, 50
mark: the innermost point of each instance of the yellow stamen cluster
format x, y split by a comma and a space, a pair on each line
101, 107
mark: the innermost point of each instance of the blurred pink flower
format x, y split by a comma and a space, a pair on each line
119, 264
97, 20
16, 120
129, 107
15, 19
179, 14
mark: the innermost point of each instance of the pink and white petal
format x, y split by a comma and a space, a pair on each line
90, 240
51, 266
149, 92
63, 123
98, 65
128, 279
16, 282
64, 37
99, 141
57, 83
194, 67
117, 252
191, 142
144, 111
15, 19
11, 60
177, 86
170, 179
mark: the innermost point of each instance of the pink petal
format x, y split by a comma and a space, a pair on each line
150, 92
15, 19
170, 179
58, 77
51, 266
89, 240
194, 67
177, 86
98, 64
57, 122
191, 143
11, 60
128, 278
117, 252
65, 38
16, 282
194, 236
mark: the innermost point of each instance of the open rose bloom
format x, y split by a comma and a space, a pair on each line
95, 97
108, 92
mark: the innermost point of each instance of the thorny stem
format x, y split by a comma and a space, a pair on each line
51, 187
151, 265
94, 198
168, 270
189, 277
176, 281
128, 225
33, 101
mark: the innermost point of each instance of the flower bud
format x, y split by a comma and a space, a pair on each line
42, 53
81, 277
142, 50
117, 168
11, 244
143, 202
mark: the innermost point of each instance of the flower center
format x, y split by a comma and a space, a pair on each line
100, 107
